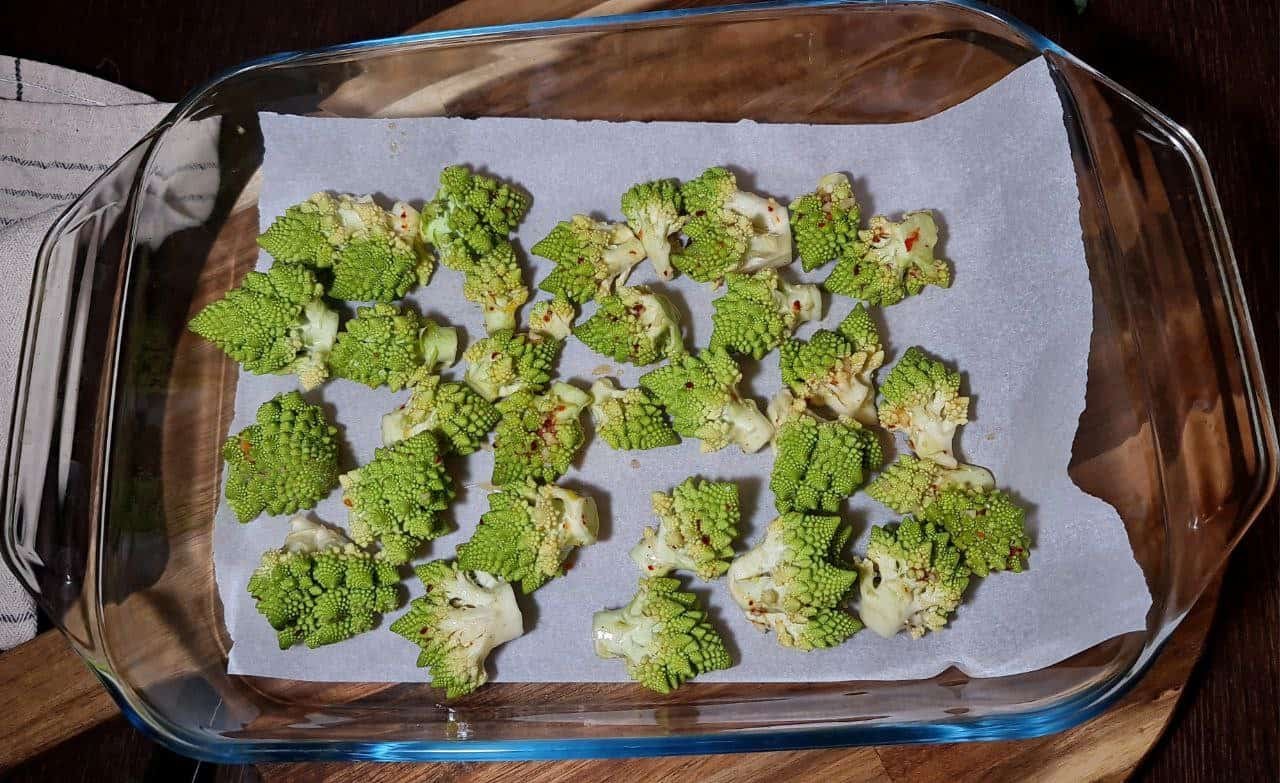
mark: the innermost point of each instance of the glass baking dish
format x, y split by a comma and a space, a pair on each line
112, 476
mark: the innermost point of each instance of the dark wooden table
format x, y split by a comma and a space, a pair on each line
1213, 67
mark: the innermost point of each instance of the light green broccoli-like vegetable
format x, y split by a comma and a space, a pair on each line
469, 216
397, 498
494, 281
664, 635
454, 410
309, 233
988, 527
818, 463
911, 579
591, 257
286, 461
629, 419
825, 222
462, 617
911, 483
835, 368
890, 261
528, 533
730, 230
275, 323
698, 522
633, 325
790, 583
654, 213
700, 394
759, 311
921, 398
319, 588
384, 345
507, 362
553, 318
538, 435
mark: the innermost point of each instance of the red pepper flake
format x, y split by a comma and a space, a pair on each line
347, 502
438, 459
982, 512
494, 355
245, 447
700, 213
706, 540
796, 305
649, 567
770, 207
424, 631
910, 241
982, 535
688, 384
631, 252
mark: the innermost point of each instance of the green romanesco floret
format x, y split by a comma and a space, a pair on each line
385, 345
319, 588
286, 461
730, 230
791, 584
538, 435
591, 257
988, 527
698, 522
469, 216
507, 362
629, 419
835, 369
921, 398
454, 410
528, 533
890, 261
633, 325
396, 499
461, 618
759, 311
275, 323
911, 579
818, 463
700, 394
654, 213
496, 283
553, 318
308, 233
664, 635
911, 483
825, 222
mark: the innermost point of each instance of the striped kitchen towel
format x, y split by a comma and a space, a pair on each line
59, 131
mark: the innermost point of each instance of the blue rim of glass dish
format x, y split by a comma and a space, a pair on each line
1024, 725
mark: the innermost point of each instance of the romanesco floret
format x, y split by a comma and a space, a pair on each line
384, 345
911, 483
633, 325
825, 222
276, 322
911, 579
397, 498
528, 533
890, 261
700, 394
818, 463
664, 635
988, 527
730, 230
790, 583
653, 211
496, 283
462, 617
469, 216
759, 311
629, 419
553, 318
452, 409
286, 461
835, 368
921, 398
507, 362
538, 435
698, 522
308, 233
320, 589
591, 257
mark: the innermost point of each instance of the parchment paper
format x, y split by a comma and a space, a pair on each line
997, 172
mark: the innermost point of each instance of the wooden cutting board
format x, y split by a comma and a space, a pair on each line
48, 695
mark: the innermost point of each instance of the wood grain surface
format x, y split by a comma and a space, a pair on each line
1175, 54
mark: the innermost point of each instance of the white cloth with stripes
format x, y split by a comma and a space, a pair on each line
59, 131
